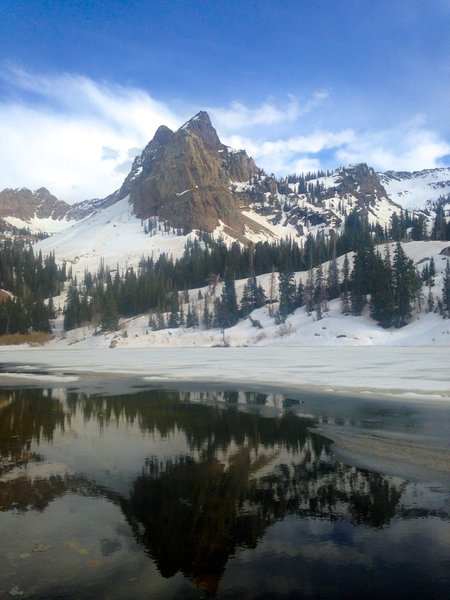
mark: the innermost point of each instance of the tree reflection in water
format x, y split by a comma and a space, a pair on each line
191, 512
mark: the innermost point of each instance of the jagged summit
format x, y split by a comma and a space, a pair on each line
162, 135
201, 125
184, 178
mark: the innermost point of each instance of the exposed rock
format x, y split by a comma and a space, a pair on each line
183, 177
26, 205
445, 251
361, 182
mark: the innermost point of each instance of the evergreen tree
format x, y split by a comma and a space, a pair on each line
333, 288
300, 296
287, 294
360, 282
430, 300
439, 231
109, 316
174, 319
309, 292
446, 291
227, 313
206, 314
419, 229
191, 317
432, 270
72, 310
405, 283
39, 316
345, 293
320, 303
250, 297
382, 303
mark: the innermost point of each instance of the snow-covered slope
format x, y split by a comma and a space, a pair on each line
418, 189
37, 224
300, 329
114, 234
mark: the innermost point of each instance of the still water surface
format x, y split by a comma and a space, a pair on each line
181, 494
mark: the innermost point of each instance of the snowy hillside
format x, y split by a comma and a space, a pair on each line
418, 189
113, 234
37, 224
299, 329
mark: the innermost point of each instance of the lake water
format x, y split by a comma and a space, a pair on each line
195, 494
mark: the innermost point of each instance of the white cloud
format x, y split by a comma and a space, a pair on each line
238, 116
78, 137
410, 147
74, 139
294, 154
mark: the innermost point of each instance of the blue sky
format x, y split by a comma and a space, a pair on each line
300, 84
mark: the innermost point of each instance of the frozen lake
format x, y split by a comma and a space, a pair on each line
421, 373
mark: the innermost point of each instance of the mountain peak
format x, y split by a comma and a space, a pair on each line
162, 135
201, 125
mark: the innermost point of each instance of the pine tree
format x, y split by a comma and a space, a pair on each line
272, 291
320, 302
227, 313
206, 314
174, 319
405, 283
72, 310
248, 300
287, 294
39, 315
361, 282
382, 303
191, 317
345, 293
309, 292
446, 291
439, 226
432, 270
300, 296
333, 288
109, 314
430, 300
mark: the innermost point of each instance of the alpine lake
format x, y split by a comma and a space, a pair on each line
161, 493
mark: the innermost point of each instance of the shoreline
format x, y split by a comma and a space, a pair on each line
393, 430
409, 374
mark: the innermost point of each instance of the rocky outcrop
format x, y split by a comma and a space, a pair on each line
184, 178
361, 182
25, 204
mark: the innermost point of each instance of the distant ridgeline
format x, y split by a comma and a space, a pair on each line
389, 283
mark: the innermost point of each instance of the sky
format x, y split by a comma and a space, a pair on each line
300, 84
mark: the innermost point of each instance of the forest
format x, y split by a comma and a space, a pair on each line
390, 285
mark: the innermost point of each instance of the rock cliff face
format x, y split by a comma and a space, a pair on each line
24, 204
183, 177
40, 211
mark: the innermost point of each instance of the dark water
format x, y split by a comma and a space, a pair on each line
169, 494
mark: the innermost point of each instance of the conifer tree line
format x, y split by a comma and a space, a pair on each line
30, 279
389, 285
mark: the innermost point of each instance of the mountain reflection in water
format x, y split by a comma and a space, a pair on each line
224, 477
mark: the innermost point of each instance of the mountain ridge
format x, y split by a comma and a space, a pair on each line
187, 181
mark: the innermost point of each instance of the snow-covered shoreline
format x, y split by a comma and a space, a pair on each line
412, 374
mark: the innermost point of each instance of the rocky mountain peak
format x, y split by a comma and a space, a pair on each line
184, 177
201, 125
162, 135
